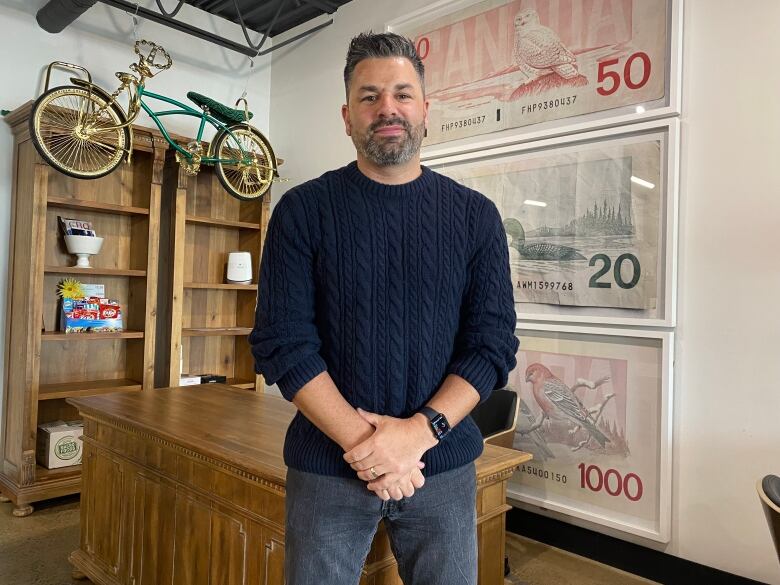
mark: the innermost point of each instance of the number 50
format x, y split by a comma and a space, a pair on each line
614, 76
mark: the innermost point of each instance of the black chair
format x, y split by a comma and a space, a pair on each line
496, 417
769, 492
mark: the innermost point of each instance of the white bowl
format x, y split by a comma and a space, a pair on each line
83, 247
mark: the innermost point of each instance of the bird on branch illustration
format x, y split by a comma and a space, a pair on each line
558, 401
528, 428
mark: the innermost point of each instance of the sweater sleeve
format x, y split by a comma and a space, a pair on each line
285, 341
485, 346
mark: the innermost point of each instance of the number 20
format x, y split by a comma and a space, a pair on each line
607, 263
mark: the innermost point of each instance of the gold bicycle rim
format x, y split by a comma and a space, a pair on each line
76, 139
253, 177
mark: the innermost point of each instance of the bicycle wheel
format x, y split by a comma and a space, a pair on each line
74, 137
253, 172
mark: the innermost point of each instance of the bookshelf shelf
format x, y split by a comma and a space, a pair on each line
86, 388
216, 331
80, 204
93, 271
222, 222
208, 285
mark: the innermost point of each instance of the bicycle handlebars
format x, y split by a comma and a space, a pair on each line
146, 62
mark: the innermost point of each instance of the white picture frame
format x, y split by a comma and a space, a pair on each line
657, 302
513, 130
639, 461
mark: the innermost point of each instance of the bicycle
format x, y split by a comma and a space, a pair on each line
82, 131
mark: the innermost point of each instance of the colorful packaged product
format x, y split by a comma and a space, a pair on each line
76, 227
92, 314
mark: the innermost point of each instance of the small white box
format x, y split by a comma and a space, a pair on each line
60, 443
94, 290
189, 379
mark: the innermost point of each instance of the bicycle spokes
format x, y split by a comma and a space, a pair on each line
246, 165
78, 133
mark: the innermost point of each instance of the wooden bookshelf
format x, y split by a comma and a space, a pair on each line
44, 366
207, 320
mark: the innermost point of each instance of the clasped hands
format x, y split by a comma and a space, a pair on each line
389, 460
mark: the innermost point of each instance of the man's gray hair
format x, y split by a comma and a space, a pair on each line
380, 45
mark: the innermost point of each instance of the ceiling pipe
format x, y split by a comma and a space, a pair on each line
56, 15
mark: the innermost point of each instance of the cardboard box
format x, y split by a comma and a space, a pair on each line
59, 444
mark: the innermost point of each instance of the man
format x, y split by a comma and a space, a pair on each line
385, 314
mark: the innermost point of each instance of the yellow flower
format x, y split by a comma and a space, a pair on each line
70, 288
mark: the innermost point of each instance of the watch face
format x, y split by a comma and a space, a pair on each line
440, 425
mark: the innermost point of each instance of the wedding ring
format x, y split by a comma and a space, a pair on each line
373, 473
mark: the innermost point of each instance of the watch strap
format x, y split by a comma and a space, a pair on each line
428, 412
439, 425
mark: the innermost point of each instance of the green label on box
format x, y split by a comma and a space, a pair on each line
66, 448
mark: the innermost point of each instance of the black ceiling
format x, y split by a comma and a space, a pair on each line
261, 19
258, 15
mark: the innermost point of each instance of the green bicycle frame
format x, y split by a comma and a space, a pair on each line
186, 110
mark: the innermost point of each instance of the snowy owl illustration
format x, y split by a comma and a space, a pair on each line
539, 47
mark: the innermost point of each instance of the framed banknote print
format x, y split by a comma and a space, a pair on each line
549, 66
595, 412
590, 220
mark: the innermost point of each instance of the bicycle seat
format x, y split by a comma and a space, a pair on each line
220, 111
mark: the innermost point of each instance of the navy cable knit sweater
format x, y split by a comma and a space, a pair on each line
389, 288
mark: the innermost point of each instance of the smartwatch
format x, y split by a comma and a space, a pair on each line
439, 424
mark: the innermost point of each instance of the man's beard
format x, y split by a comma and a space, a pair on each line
389, 151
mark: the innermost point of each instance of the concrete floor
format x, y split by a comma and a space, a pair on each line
534, 563
34, 551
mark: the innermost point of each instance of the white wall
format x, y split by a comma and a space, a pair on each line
727, 376
728, 370
102, 41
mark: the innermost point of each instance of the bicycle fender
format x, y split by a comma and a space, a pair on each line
98, 90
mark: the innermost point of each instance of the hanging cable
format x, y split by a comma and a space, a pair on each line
134, 18
267, 30
248, 75
249, 42
175, 10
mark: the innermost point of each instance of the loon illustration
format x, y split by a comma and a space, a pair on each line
538, 250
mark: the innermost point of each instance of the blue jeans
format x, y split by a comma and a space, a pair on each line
331, 522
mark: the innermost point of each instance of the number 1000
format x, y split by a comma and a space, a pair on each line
611, 482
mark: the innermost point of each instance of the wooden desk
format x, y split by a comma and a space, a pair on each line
187, 486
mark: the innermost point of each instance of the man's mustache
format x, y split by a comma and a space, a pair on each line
391, 122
